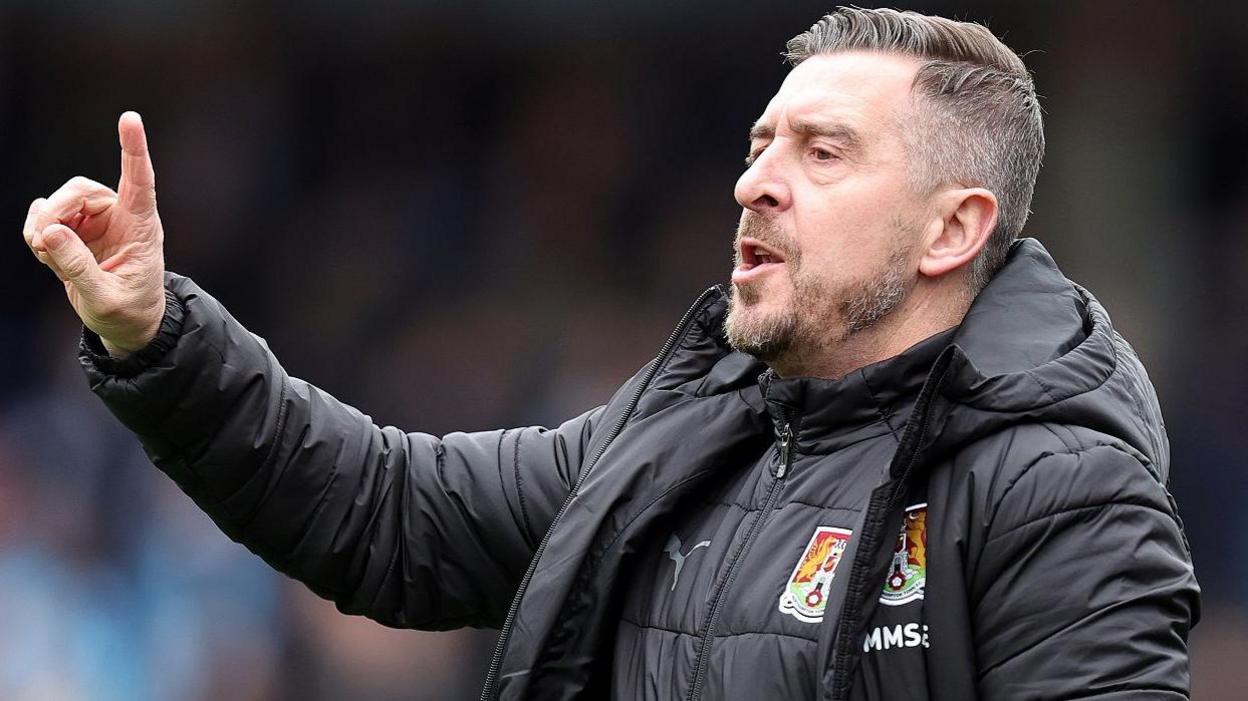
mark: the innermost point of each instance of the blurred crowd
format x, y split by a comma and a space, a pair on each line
466, 216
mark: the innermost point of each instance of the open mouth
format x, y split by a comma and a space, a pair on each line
755, 258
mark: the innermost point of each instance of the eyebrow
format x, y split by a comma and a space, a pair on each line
831, 130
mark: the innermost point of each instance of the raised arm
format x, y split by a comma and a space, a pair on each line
410, 529
107, 247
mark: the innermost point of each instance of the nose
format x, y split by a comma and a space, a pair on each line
762, 186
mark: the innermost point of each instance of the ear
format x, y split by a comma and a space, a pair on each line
966, 217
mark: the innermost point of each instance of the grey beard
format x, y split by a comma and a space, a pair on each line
876, 298
768, 341
801, 328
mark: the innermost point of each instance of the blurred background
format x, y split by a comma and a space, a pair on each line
467, 215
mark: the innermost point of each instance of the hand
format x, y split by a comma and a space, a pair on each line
107, 247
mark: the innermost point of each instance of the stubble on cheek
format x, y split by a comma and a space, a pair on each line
817, 314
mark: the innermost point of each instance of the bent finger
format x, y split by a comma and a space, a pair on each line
80, 199
29, 228
78, 195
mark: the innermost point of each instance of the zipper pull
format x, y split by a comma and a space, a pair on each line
785, 439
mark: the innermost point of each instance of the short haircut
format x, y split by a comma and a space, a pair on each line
979, 122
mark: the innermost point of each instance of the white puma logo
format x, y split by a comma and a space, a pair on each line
673, 551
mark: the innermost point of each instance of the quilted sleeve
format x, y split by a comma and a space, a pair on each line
410, 529
1084, 587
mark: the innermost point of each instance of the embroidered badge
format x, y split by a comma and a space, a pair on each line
805, 596
908, 575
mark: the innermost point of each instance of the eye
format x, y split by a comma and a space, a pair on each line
754, 154
822, 154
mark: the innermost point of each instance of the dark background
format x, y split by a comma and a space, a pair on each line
476, 214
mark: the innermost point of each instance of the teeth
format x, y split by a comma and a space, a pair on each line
764, 257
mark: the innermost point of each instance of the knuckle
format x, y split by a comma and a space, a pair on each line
74, 267
75, 188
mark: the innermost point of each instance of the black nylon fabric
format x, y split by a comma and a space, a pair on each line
845, 435
1024, 450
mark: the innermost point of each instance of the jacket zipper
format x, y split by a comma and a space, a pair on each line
496, 660
858, 603
784, 442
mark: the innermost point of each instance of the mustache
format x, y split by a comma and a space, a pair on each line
767, 232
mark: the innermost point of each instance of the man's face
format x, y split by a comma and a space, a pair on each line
825, 244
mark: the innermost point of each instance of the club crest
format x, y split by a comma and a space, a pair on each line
805, 596
907, 576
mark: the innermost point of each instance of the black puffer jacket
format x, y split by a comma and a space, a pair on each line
983, 516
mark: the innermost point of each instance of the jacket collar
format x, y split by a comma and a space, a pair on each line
1033, 347
827, 415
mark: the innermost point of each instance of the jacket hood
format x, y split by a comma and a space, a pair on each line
1035, 347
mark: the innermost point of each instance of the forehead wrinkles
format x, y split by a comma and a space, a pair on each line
871, 92
835, 119
878, 140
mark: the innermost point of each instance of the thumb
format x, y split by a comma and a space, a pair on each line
69, 257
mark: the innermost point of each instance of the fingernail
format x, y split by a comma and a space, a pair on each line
54, 239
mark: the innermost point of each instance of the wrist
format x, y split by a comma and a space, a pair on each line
110, 358
119, 349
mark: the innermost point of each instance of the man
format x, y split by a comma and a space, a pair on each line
904, 457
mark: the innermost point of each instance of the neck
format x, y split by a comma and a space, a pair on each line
928, 309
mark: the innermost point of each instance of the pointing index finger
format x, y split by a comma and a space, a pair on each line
137, 189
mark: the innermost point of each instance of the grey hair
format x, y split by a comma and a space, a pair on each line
980, 122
